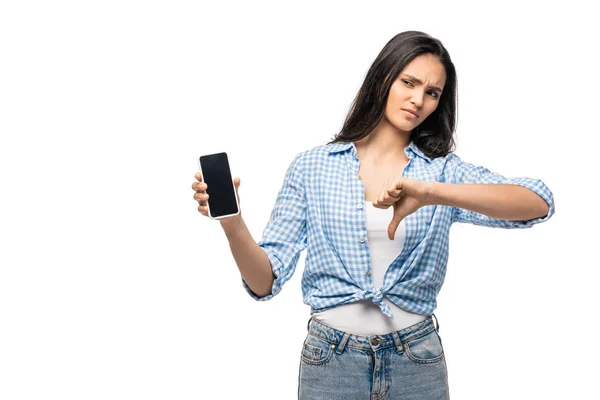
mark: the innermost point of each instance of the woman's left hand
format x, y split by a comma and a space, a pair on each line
406, 195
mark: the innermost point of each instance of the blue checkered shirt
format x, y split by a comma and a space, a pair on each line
321, 207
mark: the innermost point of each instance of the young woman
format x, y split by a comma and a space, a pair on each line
374, 208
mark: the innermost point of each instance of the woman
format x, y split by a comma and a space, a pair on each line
376, 205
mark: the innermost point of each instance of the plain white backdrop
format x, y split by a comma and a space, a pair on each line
113, 286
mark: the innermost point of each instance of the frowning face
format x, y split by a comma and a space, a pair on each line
415, 93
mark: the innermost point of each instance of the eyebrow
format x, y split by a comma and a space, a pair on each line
421, 82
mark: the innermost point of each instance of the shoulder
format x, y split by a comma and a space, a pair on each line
452, 158
319, 150
312, 156
446, 166
304, 160
439, 163
451, 161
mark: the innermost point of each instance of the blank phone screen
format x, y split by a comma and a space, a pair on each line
217, 175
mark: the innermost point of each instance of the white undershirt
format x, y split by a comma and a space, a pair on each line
364, 317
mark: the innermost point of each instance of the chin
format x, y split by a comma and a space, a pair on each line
404, 126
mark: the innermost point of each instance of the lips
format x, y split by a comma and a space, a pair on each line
410, 111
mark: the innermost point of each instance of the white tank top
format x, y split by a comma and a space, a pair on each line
364, 317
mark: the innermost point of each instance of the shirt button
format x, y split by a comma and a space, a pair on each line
368, 273
360, 206
362, 239
359, 178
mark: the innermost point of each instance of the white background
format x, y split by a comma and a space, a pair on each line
113, 286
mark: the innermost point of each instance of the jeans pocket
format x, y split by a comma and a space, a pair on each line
426, 349
316, 351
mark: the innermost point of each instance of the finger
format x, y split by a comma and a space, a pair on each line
199, 186
389, 197
201, 196
203, 210
395, 187
198, 176
394, 192
399, 183
380, 199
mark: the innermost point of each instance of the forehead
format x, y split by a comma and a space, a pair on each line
428, 69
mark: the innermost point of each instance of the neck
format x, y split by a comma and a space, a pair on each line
385, 143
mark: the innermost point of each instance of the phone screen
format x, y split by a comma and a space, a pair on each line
217, 175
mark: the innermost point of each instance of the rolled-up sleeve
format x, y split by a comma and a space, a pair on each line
284, 237
464, 172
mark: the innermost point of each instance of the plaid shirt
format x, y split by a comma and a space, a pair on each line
321, 207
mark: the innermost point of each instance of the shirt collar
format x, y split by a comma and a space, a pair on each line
410, 151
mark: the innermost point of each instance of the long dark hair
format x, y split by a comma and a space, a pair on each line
434, 136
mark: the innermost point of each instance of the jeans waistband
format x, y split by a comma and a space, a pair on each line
373, 342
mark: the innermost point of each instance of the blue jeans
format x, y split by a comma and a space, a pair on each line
408, 364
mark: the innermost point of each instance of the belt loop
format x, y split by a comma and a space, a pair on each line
398, 342
436, 322
342, 345
308, 324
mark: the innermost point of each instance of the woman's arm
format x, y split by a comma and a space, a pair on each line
502, 201
486, 198
283, 239
252, 261
475, 194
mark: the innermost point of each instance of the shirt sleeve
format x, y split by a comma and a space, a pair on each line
285, 234
464, 172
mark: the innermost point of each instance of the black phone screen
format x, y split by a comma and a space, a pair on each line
217, 175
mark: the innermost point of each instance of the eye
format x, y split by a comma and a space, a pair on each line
433, 93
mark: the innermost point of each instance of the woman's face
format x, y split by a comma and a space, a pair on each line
418, 89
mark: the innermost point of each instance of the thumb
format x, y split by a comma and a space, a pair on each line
392, 228
396, 219
236, 184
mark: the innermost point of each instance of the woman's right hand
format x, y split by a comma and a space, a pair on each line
201, 196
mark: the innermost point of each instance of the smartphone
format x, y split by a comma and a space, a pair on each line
222, 201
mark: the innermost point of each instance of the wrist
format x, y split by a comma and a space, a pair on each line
231, 223
432, 197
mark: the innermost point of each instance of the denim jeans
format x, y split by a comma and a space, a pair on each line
408, 364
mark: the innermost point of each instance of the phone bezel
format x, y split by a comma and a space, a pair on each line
232, 185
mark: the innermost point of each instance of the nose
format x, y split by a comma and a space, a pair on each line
417, 99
